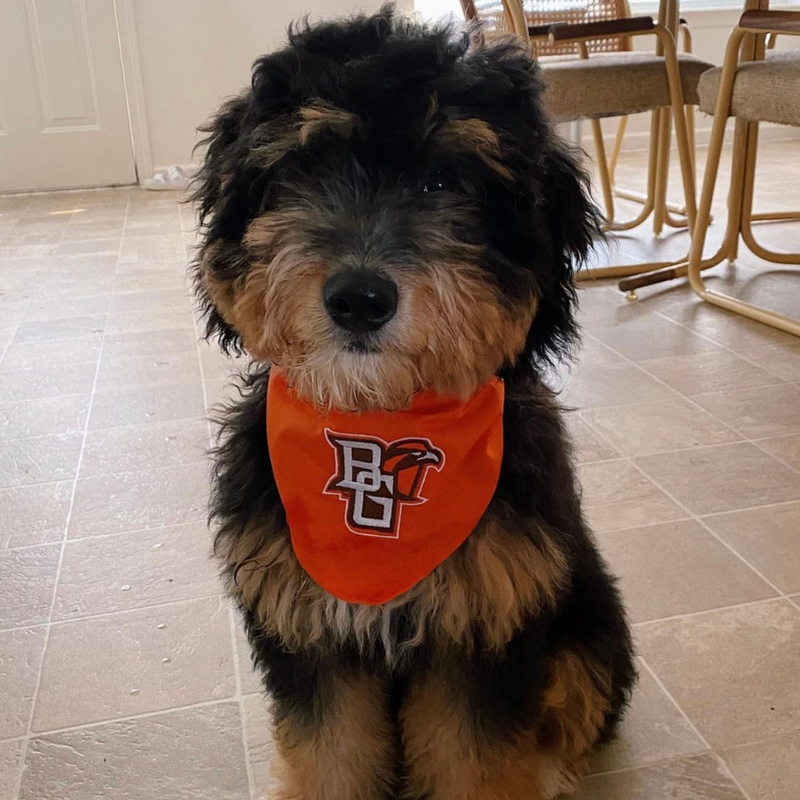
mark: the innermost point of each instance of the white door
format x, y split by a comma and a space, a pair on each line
63, 113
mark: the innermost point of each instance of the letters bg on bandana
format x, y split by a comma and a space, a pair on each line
376, 479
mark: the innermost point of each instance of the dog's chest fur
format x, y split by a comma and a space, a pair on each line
514, 564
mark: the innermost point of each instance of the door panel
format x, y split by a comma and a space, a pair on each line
62, 58
63, 113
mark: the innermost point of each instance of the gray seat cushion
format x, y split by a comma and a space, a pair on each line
764, 91
611, 85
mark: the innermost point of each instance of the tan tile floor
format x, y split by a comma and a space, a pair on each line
124, 674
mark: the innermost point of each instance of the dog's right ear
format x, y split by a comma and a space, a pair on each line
222, 220
248, 135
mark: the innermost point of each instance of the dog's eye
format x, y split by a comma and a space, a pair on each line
438, 182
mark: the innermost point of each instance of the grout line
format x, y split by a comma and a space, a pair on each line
691, 614
677, 519
117, 611
22, 319
727, 770
111, 428
136, 424
604, 531
114, 612
775, 380
239, 697
248, 766
757, 443
750, 508
762, 740
223, 597
750, 360
35, 696
36, 626
689, 400
675, 702
705, 525
149, 607
621, 456
659, 762
232, 617
108, 535
143, 715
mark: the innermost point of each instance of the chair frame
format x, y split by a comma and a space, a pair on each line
667, 213
605, 166
747, 43
672, 211
660, 128
758, 24
664, 31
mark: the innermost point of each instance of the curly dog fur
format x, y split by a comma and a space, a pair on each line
378, 145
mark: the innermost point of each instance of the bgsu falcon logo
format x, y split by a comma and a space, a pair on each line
376, 478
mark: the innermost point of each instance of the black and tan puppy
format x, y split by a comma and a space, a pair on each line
387, 211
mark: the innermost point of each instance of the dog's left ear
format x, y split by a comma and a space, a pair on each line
571, 224
550, 223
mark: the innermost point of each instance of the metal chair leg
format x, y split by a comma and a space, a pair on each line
712, 167
747, 207
662, 171
603, 170
728, 247
681, 132
618, 140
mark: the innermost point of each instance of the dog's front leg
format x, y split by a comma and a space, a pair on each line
344, 749
454, 751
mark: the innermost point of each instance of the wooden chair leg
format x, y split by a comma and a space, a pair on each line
712, 168
682, 140
662, 171
747, 206
603, 169
776, 216
681, 131
618, 140
674, 220
646, 199
600, 154
640, 197
729, 245
606, 182
690, 127
666, 44
690, 111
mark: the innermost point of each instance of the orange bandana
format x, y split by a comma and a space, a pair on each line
375, 501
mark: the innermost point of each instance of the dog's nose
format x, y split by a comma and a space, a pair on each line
360, 301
